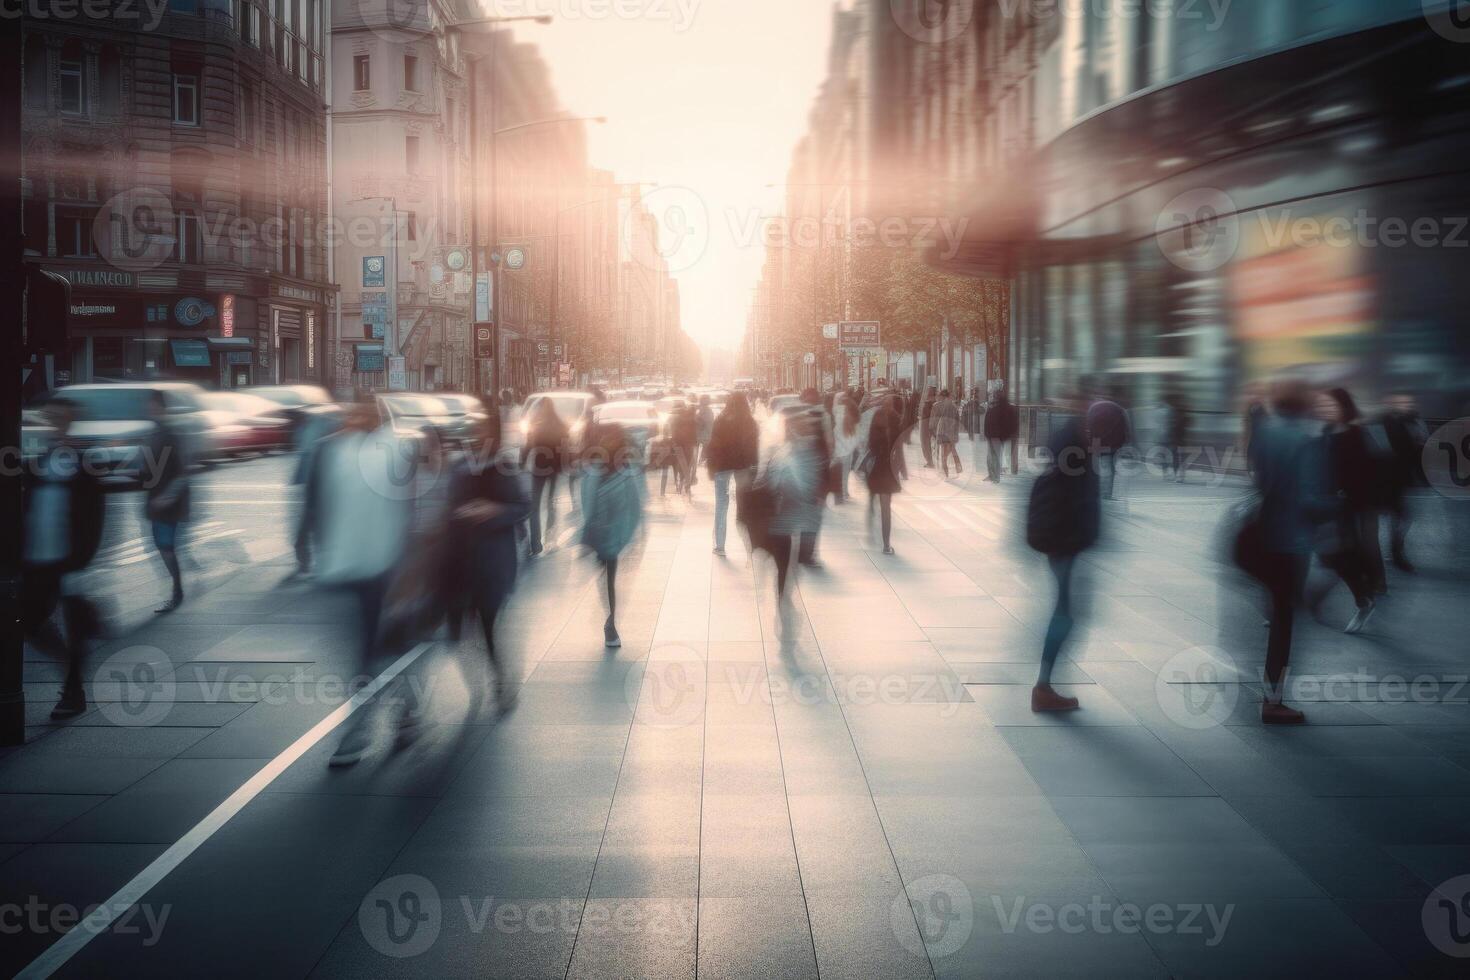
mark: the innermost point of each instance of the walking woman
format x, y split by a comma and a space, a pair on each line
1062, 521
884, 464
845, 422
612, 509
1342, 543
486, 502
543, 456
733, 453
167, 498
946, 424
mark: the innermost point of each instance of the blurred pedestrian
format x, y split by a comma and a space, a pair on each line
883, 464
1062, 521
945, 421
684, 437
361, 528
910, 416
926, 430
1342, 542
166, 496
704, 418
612, 509
846, 428
1002, 423
1110, 429
734, 452
487, 501
1406, 434
544, 456
1175, 432
1289, 464
317, 423
62, 527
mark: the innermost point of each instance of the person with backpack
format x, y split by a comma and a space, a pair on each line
734, 452
1062, 521
62, 525
612, 509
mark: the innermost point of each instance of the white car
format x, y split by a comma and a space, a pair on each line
571, 407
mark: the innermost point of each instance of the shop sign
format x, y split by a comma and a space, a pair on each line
374, 270
110, 278
190, 353
191, 311
859, 335
93, 309
238, 357
310, 339
227, 315
369, 358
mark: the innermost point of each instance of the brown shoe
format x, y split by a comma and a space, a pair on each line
1276, 713
1045, 698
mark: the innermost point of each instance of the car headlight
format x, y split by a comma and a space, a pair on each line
232, 430
525, 427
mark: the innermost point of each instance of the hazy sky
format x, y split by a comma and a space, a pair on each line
705, 97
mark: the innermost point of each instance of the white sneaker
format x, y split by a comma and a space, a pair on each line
720, 552
1360, 618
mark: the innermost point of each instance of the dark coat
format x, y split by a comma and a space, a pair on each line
167, 492
734, 444
884, 443
482, 557
545, 450
1288, 461
1002, 421
1065, 511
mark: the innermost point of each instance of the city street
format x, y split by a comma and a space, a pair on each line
853, 785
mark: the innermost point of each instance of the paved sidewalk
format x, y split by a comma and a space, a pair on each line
851, 787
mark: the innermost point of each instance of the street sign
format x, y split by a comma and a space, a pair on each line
369, 358
484, 340
808, 358
482, 296
374, 270
829, 331
859, 335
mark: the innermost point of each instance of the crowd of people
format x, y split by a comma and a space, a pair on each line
448, 538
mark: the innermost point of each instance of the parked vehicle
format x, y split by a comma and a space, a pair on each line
571, 408
297, 401
466, 411
115, 422
238, 423
639, 419
423, 416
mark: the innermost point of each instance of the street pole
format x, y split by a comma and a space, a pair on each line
12, 284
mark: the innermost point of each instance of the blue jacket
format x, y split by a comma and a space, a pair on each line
1289, 460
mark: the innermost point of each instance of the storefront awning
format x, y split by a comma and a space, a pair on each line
190, 353
229, 343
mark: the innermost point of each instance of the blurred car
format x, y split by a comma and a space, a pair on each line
115, 422
465, 413
237, 423
299, 402
425, 417
639, 419
774, 428
571, 407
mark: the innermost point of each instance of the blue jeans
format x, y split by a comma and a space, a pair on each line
722, 505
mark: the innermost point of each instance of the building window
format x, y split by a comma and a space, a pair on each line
257, 26
411, 222
189, 245
35, 72
73, 80
184, 6
186, 100
410, 73
411, 153
247, 112
74, 234
362, 73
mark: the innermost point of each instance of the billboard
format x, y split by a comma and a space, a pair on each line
859, 335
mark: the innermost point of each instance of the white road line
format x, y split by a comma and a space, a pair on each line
61, 951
